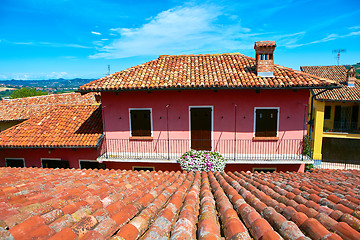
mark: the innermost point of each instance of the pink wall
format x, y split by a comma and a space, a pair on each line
291, 116
33, 157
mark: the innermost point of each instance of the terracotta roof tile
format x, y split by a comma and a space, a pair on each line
25, 108
338, 74
229, 70
61, 126
178, 205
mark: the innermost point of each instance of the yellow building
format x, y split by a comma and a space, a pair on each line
334, 116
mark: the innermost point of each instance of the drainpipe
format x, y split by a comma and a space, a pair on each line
103, 122
167, 130
235, 132
304, 127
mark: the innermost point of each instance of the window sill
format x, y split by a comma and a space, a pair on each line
265, 138
141, 138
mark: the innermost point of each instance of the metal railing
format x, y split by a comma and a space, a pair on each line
233, 150
344, 126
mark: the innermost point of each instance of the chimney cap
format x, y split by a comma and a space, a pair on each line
265, 44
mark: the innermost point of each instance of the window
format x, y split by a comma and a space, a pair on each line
91, 165
327, 114
265, 170
266, 122
15, 162
140, 122
54, 163
346, 118
134, 168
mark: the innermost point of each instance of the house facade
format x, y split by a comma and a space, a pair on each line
249, 109
335, 116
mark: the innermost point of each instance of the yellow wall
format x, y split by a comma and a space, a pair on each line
318, 114
321, 126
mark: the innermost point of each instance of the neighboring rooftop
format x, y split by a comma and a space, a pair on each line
107, 204
59, 126
337, 74
25, 108
214, 71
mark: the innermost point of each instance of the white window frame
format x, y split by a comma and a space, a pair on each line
212, 122
15, 159
83, 160
151, 120
277, 123
53, 159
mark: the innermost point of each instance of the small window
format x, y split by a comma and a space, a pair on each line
271, 56
91, 165
266, 122
53, 163
265, 170
140, 123
327, 113
15, 162
143, 168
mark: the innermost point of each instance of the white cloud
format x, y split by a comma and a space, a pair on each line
177, 31
104, 39
329, 37
23, 43
35, 76
96, 33
50, 44
354, 27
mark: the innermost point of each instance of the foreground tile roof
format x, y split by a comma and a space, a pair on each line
61, 126
338, 74
54, 204
202, 71
24, 108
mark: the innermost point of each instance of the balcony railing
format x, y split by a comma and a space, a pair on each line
233, 150
344, 127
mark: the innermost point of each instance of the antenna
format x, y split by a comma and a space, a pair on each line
338, 51
108, 69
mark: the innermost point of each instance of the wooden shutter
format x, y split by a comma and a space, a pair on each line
266, 122
337, 117
354, 117
140, 123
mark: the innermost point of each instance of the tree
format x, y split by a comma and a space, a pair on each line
27, 92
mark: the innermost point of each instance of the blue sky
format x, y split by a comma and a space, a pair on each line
42, 39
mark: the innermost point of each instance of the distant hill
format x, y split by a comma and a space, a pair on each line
51, 83
357, 69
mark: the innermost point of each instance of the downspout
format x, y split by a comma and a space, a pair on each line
235, 133
167, 130
103, 122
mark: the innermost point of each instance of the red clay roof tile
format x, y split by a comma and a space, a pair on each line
229, 70
61, 126
338, 74
204, 206
25, 108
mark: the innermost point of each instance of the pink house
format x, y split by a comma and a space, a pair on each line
250, 110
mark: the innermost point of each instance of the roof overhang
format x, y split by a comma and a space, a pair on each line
211, 88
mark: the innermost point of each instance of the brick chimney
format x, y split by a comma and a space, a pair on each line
350, 77
265, 58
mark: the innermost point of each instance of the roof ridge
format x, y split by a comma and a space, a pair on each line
201, 54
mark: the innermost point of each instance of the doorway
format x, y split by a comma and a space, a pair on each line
201, 127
